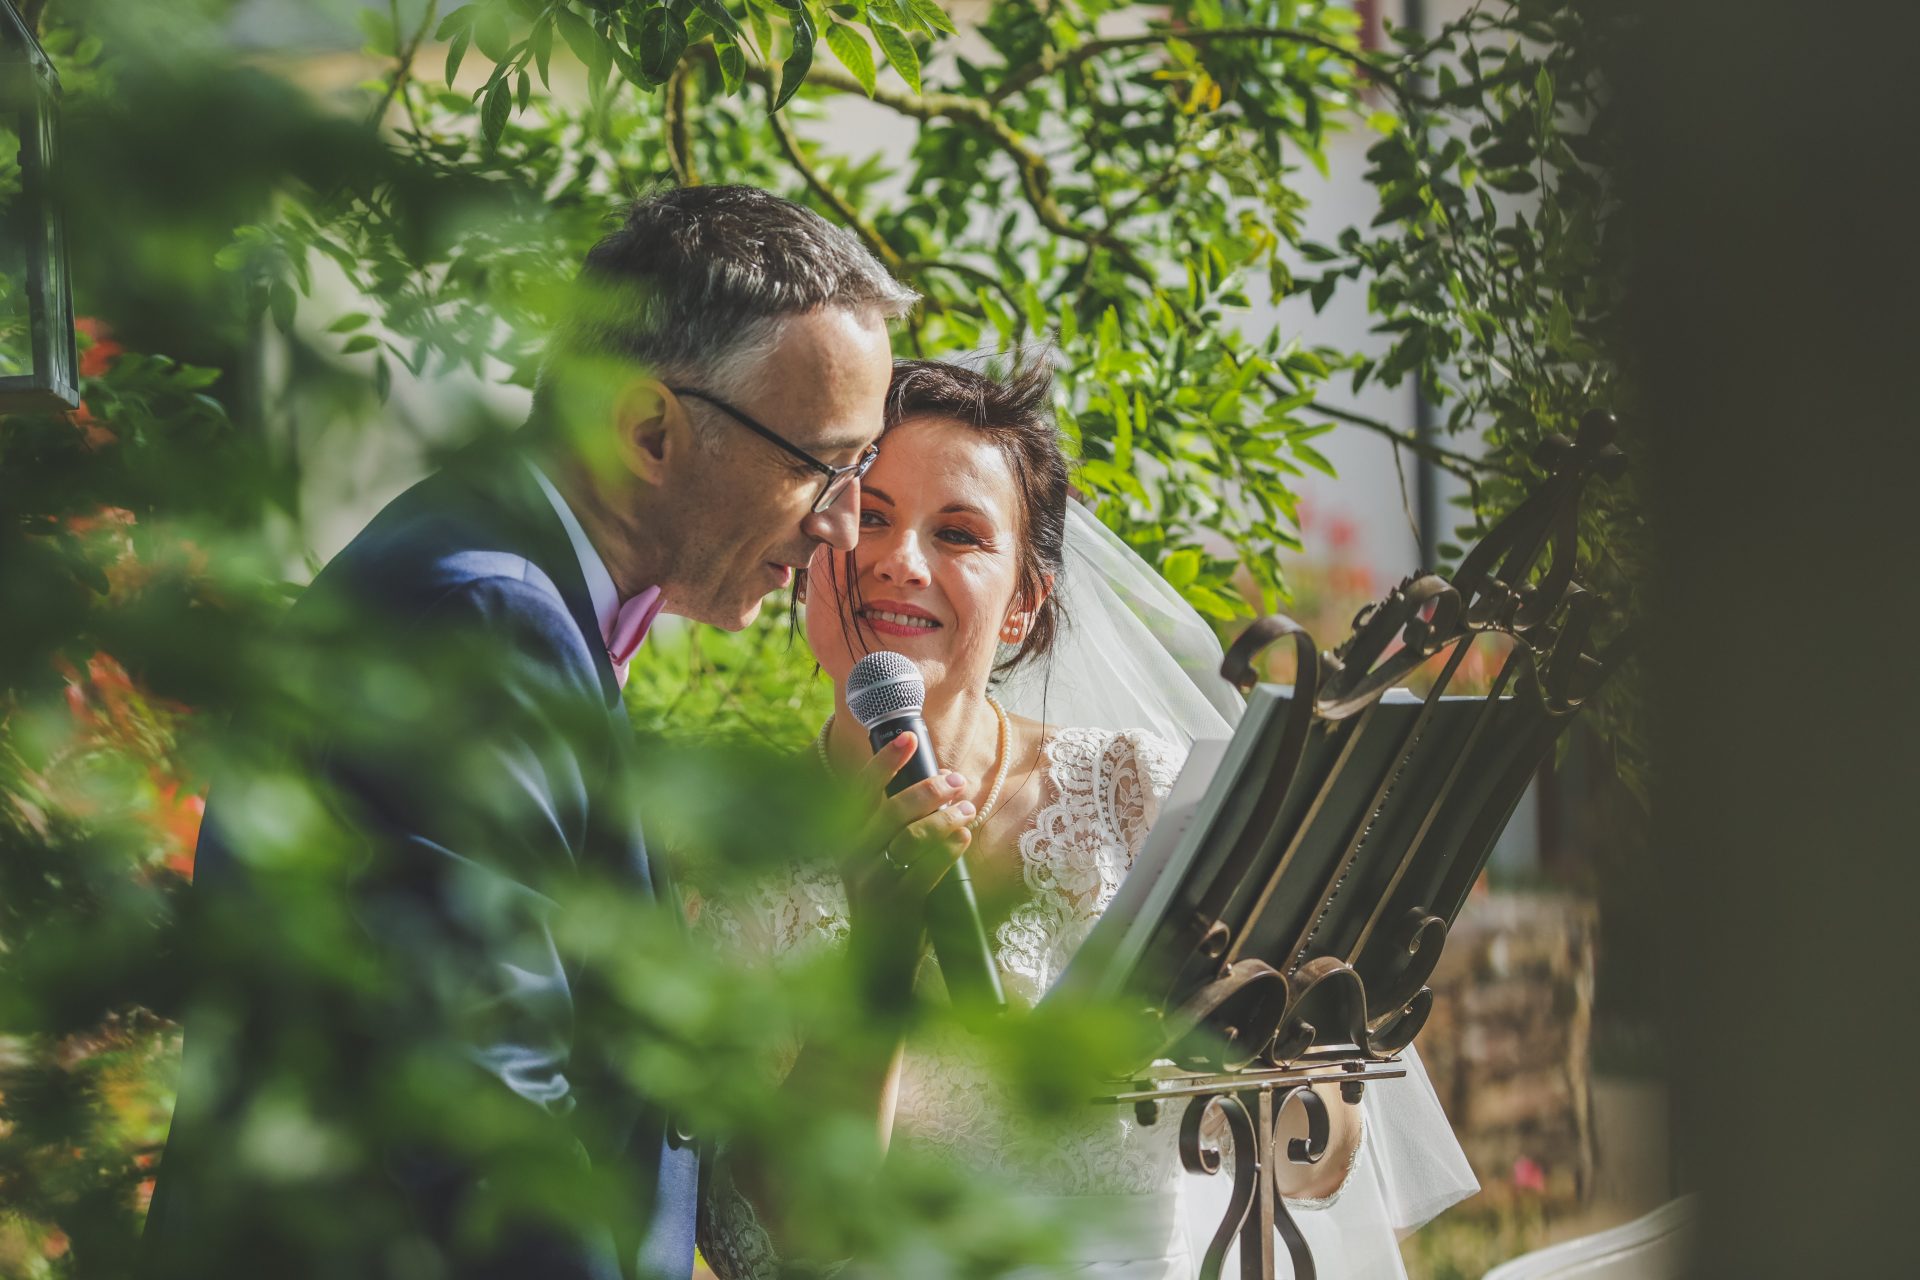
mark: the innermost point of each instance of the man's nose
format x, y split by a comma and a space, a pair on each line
839, 525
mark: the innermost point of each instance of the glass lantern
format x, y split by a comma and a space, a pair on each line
38, 362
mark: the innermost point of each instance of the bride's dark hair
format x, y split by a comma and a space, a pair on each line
1016, 413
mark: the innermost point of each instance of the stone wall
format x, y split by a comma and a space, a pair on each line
1508, 1042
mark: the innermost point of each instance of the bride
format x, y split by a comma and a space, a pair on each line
1064, 683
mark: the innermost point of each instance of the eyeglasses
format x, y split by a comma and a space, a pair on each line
838, 479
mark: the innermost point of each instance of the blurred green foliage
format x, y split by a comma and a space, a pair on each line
1111, 202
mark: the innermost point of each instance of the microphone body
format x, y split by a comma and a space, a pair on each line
953, 913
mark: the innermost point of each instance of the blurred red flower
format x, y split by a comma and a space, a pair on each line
97, 356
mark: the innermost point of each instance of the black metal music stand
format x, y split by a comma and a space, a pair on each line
1296, 936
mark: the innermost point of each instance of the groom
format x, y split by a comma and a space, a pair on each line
699, 428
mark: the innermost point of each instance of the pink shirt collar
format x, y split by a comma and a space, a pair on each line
623, 623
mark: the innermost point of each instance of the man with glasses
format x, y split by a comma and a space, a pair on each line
699, 428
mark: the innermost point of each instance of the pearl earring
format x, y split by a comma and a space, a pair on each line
1011, 633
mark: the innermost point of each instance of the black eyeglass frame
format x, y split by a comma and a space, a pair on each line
838, 479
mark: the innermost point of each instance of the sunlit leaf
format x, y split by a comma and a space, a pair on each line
900, 54
853, 53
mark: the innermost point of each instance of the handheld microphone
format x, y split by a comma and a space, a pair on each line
885, 694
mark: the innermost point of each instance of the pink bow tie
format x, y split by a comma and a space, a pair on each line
630, 628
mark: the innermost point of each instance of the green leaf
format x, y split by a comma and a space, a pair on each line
721, 18
663, 38
358, 343
1181, 567
349, 322
458, 20
900, 54
931, 16
794, 70
455, 53
382, 378
493, 112
281, 302
762, 29
1211, 603
541, 41
996, 313
491, 35
580, 38
1036, 310
1560, 325
733, 65
848, 46
1097, 473
1312, 457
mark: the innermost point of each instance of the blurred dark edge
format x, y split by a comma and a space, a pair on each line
1773, 316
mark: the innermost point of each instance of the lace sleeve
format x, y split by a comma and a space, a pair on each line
780, 919
1138, 769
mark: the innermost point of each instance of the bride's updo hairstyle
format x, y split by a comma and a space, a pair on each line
1015, 414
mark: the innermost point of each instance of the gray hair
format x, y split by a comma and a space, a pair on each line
696, 283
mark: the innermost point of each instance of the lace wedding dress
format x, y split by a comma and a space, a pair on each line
1121, 1181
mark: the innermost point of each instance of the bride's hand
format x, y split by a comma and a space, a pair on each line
912, 839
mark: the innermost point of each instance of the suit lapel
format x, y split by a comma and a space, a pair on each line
500, 474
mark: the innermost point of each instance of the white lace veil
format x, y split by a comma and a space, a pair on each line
1132, 654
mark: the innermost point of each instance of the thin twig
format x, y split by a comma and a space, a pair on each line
1406, 502
1036, 179
837, 202
1459, 464
403, 60
1058, 60
919, 266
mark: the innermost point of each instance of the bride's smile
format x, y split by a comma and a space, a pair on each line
891, 618
937, 574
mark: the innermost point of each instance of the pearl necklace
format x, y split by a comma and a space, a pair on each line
1000, 757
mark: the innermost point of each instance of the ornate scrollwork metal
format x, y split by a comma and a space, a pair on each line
1518, 582
1256, 1206
1197, 1157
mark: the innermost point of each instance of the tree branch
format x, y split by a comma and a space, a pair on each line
1467, 468
679, 153
1054, 60
919, 266
403, 61
1036, 179
789, 144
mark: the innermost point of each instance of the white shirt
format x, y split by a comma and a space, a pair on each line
600, 589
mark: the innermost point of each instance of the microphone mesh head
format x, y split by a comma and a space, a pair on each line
884, 685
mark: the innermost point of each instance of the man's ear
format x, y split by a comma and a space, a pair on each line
651, 430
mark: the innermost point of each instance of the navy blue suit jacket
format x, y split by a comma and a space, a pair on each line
506, 777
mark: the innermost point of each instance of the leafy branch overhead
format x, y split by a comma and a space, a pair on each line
1126, 197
